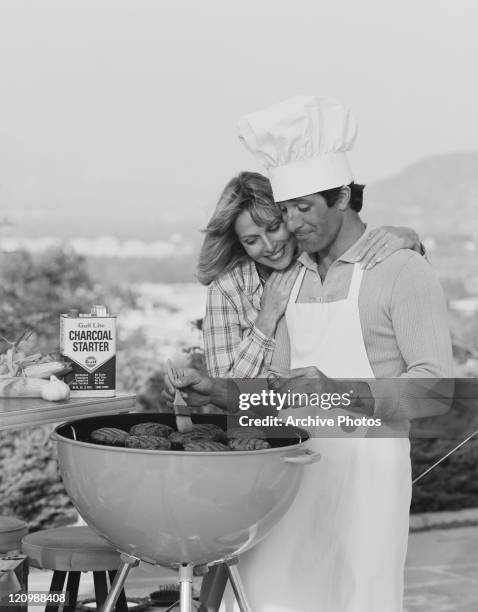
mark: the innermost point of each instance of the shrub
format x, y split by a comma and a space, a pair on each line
453, 484
30, 483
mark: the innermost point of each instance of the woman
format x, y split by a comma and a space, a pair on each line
247, 261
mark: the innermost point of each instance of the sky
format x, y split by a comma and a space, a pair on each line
112, 107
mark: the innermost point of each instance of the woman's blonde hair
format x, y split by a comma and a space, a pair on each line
221, 249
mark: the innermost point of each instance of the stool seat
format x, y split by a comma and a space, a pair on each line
76, 549
12, 531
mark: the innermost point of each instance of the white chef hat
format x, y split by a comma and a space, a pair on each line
303, 143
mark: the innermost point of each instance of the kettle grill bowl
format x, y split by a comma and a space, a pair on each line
176, 507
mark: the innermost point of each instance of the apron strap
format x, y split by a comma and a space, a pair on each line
297, 285
355, 283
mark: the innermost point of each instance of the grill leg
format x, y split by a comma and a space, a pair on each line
72, 586
212, 588
237, 586
127, 563
186, 588
122, 603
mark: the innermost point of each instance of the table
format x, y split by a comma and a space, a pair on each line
27, 412
21, 413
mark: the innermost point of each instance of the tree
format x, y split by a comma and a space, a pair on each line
34, 290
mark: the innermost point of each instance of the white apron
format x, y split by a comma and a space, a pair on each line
342, 545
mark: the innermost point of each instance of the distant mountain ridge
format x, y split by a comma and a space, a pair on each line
436, 196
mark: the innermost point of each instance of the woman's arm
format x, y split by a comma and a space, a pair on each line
227, 351
384, 241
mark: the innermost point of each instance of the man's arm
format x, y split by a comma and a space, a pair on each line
199, 389
233, 395
420, 322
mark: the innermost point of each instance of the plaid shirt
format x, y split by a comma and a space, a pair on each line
233, 345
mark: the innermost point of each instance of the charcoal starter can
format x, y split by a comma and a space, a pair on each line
88, 341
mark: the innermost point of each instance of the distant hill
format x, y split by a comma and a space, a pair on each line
435, 196
438, 195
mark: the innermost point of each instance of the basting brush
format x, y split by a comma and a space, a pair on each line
181, 409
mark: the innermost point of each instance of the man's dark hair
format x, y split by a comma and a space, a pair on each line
356, 196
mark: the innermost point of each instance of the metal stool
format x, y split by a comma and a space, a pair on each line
12, 530
72, 550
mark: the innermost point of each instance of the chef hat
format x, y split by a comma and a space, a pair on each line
302, 142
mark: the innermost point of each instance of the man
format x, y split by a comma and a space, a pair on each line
346, 534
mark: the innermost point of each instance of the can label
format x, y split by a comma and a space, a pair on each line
89, 342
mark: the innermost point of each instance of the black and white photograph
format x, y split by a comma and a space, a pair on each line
238, 306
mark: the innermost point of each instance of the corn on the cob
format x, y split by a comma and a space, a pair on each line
43, 370
21, 386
